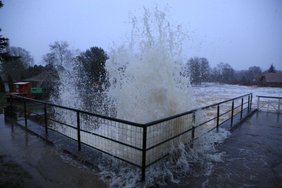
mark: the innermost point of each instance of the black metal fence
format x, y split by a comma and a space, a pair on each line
138, 144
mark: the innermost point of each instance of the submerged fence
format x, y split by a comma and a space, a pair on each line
138, 144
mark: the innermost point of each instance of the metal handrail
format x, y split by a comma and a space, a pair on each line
143, 148
126, 121
273, 97
194, 127
80, 111
191, 111
269, 97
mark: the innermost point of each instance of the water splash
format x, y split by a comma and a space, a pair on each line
182, 164
146, 84
145, 74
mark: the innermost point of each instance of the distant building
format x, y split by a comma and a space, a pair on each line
270, 79
43, 82
21, 88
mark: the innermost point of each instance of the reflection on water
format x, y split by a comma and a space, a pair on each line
46, 165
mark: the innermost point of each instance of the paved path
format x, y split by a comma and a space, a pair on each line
253, 156
27, 161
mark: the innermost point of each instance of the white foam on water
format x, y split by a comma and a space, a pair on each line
182, 163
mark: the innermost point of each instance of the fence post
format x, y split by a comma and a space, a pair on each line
258, 103
242, 108
193, 128
248, 104
232, 112
78, 131
144, 153
279, 102
217, 118
25, 115
251, 102
193, 136
45, 119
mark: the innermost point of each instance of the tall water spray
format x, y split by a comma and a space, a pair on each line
145, 83
145, 74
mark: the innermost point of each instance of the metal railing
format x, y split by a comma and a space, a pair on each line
269, 103
138, 144
189, 126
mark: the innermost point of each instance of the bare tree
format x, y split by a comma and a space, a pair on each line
59, 54
223, 72
23, 55
253, 73
204, 69
194, 70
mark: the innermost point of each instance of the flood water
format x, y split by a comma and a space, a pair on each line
251, 156
43, 165
209, 93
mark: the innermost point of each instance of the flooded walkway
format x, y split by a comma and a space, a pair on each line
27, 161
252, 156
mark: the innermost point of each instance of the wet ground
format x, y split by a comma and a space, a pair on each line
253, 156
27, 161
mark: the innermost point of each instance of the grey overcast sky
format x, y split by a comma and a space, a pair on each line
242, 33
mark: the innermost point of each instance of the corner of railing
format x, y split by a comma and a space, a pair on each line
144, 147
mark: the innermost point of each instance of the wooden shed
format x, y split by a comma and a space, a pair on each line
22, 88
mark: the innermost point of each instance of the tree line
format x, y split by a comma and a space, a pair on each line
17, 63
199, 70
